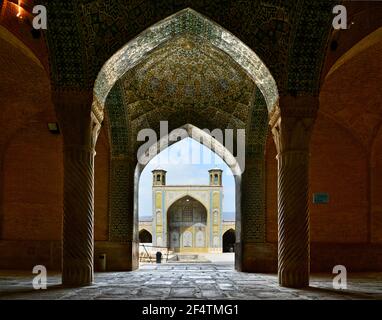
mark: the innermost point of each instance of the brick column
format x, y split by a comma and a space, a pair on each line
252, 221
123, 219
80, 129
292, 125
253, 254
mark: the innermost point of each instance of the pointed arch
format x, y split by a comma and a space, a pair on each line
190, 131
185, 21
202, 137
183, 196
187, 220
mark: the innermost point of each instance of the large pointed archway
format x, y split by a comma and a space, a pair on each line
136, 88
142, 94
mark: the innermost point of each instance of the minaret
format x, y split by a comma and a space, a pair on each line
215, 211
159, 216
215, 177
159, 177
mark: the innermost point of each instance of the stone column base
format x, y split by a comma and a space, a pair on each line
77, 274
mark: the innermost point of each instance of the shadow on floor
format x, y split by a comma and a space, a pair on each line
13, 292
339, 293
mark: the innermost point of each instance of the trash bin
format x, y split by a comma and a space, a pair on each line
159, 257
101, 265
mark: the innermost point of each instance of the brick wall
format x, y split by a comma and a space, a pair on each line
338, 166
33, 184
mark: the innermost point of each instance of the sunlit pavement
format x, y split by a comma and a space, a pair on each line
198, 281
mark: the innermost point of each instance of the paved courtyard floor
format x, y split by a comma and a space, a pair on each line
198, 281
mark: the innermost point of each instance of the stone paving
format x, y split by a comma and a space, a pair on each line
199, 281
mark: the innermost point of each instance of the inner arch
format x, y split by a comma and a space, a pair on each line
200, 233
199, 135
187, 225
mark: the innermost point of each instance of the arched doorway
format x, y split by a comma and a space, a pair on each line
187, 226
228, 70
229, 239
129, 88
188, 216
145, 236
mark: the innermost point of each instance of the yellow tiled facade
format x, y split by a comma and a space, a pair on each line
187, 218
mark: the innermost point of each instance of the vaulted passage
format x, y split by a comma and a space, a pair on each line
290, 106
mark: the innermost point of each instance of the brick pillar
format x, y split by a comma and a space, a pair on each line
292, 125
123, 219
80, 129
123, 223
254, 252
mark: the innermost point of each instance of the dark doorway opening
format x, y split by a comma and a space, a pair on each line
145, 237
229, 239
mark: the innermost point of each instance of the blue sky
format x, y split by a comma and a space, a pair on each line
179, 162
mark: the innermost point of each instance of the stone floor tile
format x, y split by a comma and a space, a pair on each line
201, 281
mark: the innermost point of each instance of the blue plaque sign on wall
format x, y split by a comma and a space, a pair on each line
320, 198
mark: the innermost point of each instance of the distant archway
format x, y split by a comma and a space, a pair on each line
229, 239
187, 225
145, 236
205, 139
